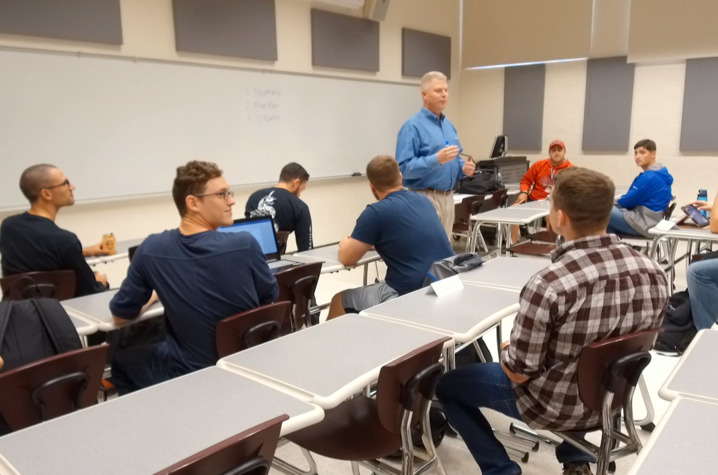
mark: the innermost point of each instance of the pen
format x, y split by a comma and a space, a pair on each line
432, 276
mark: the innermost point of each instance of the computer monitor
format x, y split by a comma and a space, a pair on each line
262, 228
501, 144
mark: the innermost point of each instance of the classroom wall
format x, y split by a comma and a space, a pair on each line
657, 112
148, 32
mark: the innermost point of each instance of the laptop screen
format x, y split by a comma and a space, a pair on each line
261, 228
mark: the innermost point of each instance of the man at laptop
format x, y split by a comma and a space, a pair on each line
283, 205
406, 232
201, 277
32, 242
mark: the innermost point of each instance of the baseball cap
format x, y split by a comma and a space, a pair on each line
557, 142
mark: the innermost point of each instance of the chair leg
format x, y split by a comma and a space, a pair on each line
286, 467
428, 441
355, 469
407, 446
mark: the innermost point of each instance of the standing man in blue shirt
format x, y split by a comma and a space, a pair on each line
200, 276
405, 231
428, 148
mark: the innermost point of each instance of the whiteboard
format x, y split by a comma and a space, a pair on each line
120, 127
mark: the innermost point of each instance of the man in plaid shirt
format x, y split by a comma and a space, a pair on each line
596, 288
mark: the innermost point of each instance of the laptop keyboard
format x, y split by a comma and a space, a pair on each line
274, 265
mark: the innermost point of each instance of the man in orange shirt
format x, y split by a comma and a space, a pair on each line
538, 181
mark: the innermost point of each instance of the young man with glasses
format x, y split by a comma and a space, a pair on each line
32, 242
201, 277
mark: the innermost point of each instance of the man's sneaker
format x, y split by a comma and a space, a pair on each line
577, 469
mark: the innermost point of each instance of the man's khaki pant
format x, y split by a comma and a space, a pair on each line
444, 205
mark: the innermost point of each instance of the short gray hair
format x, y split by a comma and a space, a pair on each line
430, 77
34, 179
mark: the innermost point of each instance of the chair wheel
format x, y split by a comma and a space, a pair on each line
649, 427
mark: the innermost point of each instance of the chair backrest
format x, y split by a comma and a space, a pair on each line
468, 206
57, 284
282, 238
51, 387
248, 453
297, 285
594, 367
131, 252
499, 198
669, 211
404, 382
251, 328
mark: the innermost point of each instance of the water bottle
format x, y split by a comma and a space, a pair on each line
498, 178
703, 196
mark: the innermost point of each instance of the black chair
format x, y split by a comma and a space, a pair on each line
297, 285
251, 328
51, 387
248, 453
608, 372
282, 238
463, 226
58, 284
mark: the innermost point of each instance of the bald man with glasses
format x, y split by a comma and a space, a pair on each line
32, 242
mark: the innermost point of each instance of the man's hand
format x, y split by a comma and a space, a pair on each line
95, 250
447, 154
523, 197
469, 167
703, 205
101, 278
504, 345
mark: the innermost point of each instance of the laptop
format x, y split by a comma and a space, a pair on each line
262, 228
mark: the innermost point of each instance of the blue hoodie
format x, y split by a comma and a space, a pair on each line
647, 198
651, 189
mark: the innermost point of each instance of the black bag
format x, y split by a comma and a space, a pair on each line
480, 184
678, 327
452, 266
31, 330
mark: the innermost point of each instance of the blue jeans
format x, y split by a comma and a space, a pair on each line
463, 391
618, 225
703, 289
139, 367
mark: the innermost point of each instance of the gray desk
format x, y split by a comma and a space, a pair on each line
83, 328
679, 234
328, 363
463, 315
505, 272
95, 309
541, 205
684, 441
330, 256
506, 216
151, 429
123, 252
694, 375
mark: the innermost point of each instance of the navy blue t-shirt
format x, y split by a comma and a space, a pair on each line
406, 232
200, 279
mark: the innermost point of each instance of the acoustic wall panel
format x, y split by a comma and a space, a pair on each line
95, 21
523, 106
423, 52
243, 29
700, 106
346, 42
609, 100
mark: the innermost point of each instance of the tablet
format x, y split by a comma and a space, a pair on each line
693, 213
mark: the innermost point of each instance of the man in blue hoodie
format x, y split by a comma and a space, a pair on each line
642, 207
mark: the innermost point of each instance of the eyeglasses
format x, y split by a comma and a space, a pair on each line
64, 183
222, 194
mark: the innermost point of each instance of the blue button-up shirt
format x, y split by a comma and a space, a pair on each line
419, 141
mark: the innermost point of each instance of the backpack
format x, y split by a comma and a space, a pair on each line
31, 330
452, 266
480, 184
678, 327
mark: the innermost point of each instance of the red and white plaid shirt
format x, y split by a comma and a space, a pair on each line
595, 288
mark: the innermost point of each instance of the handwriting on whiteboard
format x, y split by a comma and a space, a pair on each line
263, 105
